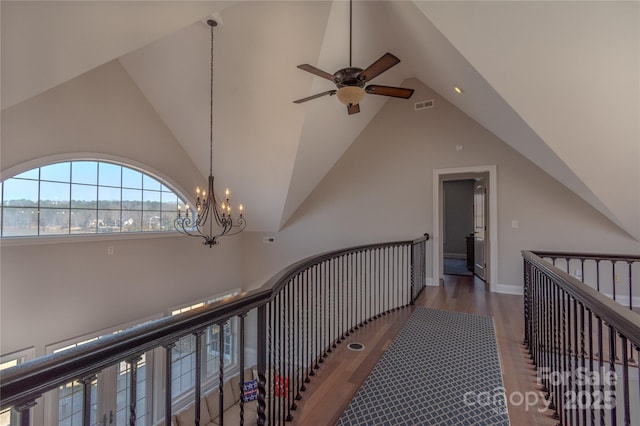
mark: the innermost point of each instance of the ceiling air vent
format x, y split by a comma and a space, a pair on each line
423, 105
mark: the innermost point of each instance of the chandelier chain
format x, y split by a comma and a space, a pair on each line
211, 107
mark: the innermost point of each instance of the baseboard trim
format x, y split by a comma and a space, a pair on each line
509, 289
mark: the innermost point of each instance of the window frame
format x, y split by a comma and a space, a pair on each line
145, 169
209, 382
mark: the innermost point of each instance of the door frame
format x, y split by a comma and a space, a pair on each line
438, 176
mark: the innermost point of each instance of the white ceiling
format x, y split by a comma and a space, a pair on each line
558, 81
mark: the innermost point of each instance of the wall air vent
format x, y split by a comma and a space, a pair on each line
423, 105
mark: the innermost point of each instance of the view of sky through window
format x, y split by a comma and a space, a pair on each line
86, 197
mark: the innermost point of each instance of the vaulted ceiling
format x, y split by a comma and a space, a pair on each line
557, 81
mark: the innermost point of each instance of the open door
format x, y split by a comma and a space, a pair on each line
479, 229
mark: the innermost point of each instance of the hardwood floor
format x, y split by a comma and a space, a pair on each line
344, 371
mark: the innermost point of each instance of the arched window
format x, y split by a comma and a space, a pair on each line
85, 197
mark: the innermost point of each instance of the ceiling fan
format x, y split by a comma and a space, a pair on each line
350, 82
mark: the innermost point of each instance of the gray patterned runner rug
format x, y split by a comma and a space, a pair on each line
442, 369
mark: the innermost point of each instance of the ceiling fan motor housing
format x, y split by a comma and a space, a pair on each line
349, 77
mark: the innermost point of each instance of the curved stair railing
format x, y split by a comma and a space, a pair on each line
302, 313
583, 334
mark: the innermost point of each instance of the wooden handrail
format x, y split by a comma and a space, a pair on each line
587, 256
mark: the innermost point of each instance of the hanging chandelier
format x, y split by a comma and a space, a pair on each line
211, 219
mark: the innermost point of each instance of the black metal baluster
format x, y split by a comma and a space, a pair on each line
630, 266
591, 355
241, 342
304, 320
625, 376
270, 371
583, 364
351, 300
535, 317
348, 279
323, 315
307, 336
557, 397
547, 331
613, 278
133, 391
372, 283
332, 307
277, 360
564, 413
288, 380
360, 289
167, 383
198, 382
572, 367
282, 367
353, 286
366, 288
263, 354
525, 297
612, 368
343, 270
317, 295
388, 275
392, 270
601, 366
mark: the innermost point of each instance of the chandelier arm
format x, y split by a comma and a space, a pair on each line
179, 224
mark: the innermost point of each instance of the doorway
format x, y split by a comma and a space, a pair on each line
457, 227
483, 228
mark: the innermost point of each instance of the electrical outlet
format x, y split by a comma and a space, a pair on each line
110, 250
268, 240
617, 278
578, 273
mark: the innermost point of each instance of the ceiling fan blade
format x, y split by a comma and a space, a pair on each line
353, 109
328, 92
378, 67
396, 92
318, 72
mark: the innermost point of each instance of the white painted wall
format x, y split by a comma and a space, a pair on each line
381, 190
53, 292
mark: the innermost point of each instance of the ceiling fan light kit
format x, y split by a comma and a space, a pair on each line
350, 95
350, 81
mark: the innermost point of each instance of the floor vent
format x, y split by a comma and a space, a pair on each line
423, 105
356, 346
